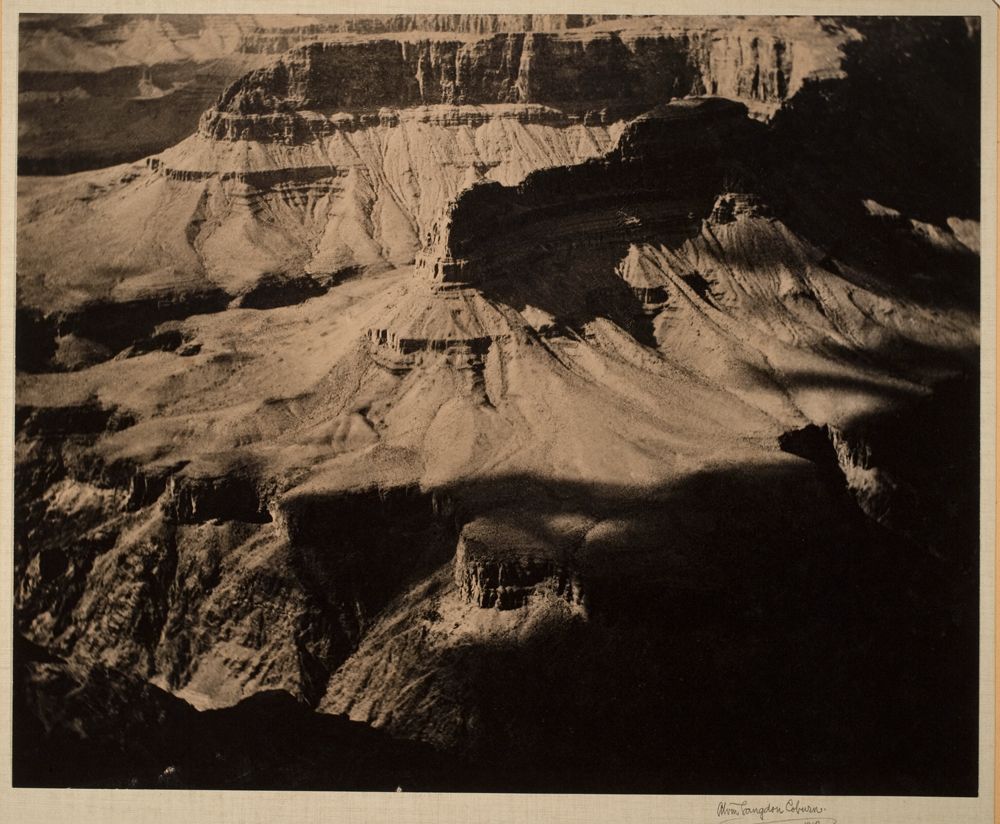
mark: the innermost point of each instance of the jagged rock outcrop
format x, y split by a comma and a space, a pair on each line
102, 728
193, 500
201, 588
735, 205
850, 460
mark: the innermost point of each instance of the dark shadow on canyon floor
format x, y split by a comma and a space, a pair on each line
754, 633
772, 639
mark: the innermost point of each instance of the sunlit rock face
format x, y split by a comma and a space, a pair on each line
514, 386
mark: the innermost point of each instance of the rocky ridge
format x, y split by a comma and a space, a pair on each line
628, 65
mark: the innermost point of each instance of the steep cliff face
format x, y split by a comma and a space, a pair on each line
642, 66
666, 165
96, 90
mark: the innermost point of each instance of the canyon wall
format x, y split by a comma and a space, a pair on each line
525, 427
151, 76
575, 73
96, 90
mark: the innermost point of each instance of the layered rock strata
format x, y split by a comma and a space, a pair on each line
636, 65
471, 416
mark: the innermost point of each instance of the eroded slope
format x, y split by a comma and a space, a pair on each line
543, 483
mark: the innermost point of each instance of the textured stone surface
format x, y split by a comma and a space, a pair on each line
519, 426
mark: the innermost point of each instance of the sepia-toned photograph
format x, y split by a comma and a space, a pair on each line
495, 403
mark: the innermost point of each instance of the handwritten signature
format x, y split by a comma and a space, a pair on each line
736, 811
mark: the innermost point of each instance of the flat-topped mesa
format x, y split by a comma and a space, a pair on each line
505, 559
441, 313
691, 131
581, 72
663, 175
456, 326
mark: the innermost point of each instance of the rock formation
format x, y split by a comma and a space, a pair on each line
551, 398
634, 63
129, 85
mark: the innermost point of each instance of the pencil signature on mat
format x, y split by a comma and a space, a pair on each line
739, 811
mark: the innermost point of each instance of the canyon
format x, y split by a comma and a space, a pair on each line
535, 403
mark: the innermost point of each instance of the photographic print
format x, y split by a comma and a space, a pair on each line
505, 403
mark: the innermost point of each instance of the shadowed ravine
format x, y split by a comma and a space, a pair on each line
711, 653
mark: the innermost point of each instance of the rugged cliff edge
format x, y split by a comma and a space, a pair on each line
633, 64
100, 89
